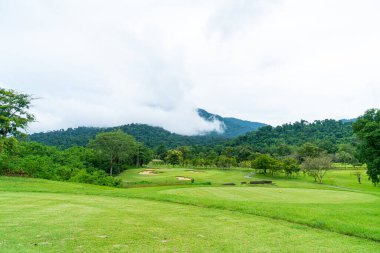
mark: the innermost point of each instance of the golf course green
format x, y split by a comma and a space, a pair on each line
292, 215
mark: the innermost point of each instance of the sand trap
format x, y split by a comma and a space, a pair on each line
196, 171
147, 172
183, 178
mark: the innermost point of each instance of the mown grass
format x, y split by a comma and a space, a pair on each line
346, 213
293, 215
48, 222
273, 195
342, 179
167, 176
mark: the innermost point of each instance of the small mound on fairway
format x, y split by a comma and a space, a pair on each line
283, 195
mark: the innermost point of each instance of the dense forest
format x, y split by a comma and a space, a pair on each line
151, 136
326, 134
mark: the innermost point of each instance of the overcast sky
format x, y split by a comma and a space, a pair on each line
110, 62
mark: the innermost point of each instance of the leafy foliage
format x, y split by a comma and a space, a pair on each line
367, 128
317, 167
265, 163
14, 114
325, 134
174, 157
32, 159
115, 148
152, 137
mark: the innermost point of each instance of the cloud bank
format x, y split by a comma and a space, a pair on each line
107, 63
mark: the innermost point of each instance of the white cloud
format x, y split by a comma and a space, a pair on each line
106, 63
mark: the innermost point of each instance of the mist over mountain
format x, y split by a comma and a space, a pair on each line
152, 136
231, 127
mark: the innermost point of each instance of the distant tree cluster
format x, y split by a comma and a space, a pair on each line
106, 155
108, 152
14, 115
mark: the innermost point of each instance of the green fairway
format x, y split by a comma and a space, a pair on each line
341, 205
46, 222
292, 215
277, 195
167, 176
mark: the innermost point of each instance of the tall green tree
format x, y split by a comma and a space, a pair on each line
290, 166
308, 150
114, 147
14, 115
174, 157
143, 155
367, 128
265, 163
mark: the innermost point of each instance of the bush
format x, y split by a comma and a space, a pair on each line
97, 177
33, 159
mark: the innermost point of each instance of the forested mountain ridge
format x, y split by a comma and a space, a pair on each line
232, 127
325, 133
149, 135
261, 137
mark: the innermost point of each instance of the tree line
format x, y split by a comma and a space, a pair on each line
286, 149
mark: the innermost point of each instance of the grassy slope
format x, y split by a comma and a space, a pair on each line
51, 216
359, 218
48, 222
166, 176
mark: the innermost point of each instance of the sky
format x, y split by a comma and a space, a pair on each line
112, 62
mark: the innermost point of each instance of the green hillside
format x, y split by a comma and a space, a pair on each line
327, 134
149, 135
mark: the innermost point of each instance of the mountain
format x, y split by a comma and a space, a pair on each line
149, 135
326, 134
232, 127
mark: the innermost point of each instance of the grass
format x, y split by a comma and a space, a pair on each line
47, 222
273, 195
167, 176
338, 210
293, 215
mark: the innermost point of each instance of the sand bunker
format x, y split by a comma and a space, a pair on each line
183, 178
196, 171
148, 172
